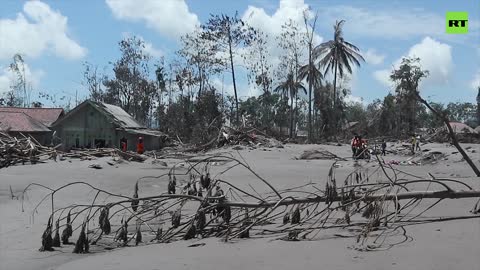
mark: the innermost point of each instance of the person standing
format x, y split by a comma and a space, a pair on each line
414, 143
418, 144
140, 145
355, 143
384, 147
352, 144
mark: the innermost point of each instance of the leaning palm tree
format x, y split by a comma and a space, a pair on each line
291, 86
336, 55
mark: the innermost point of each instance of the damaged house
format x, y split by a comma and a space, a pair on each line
35, 122
95, 124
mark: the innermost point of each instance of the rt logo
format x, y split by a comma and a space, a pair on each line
457, 23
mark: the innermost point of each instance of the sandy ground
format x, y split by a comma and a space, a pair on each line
446, 245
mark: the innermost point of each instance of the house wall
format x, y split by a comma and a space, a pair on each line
150, 142
88, 125
85, 127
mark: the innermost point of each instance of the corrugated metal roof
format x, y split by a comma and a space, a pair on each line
45, 116
120, 117
20, 122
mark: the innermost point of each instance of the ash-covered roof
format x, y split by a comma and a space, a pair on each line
20, 122
120, 117
116, 115
45, 116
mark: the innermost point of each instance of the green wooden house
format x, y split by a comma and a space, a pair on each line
95, 125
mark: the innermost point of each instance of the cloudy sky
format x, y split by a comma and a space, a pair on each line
56, 37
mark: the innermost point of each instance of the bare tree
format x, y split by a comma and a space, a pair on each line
230, 33
18, 67
94, 81
292, 42
202, 54
310, 72
257, 61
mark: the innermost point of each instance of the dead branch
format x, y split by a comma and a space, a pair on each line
445, 119
218, 208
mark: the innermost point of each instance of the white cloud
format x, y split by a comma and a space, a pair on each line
475, 83
8, 78
381, 23
436, 57
149, 48
372, 57
168, 17
272, 24
156, 53
244, 91
383, 76
36, 30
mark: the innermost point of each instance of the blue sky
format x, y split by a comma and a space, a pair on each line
56, 37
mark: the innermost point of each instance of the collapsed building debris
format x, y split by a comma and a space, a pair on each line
229, 136
22, 150
441, 135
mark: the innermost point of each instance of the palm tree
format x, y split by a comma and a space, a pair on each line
336, 55
291, 86
314, 77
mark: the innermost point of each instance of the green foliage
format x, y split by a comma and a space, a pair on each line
335, 56
131, 88
195, 121
291, 86
407, 78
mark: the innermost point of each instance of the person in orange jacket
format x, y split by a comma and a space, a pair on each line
140, 146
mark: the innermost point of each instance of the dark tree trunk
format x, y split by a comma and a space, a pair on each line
334, 114
233, 75
292, 96
310, 83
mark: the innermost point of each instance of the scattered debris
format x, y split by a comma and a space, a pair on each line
22, 150
197, 245
159, 162
130, 156
244, 136
95, 166
319, 154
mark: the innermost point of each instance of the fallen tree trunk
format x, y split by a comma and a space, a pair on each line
130, 156
444, 194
